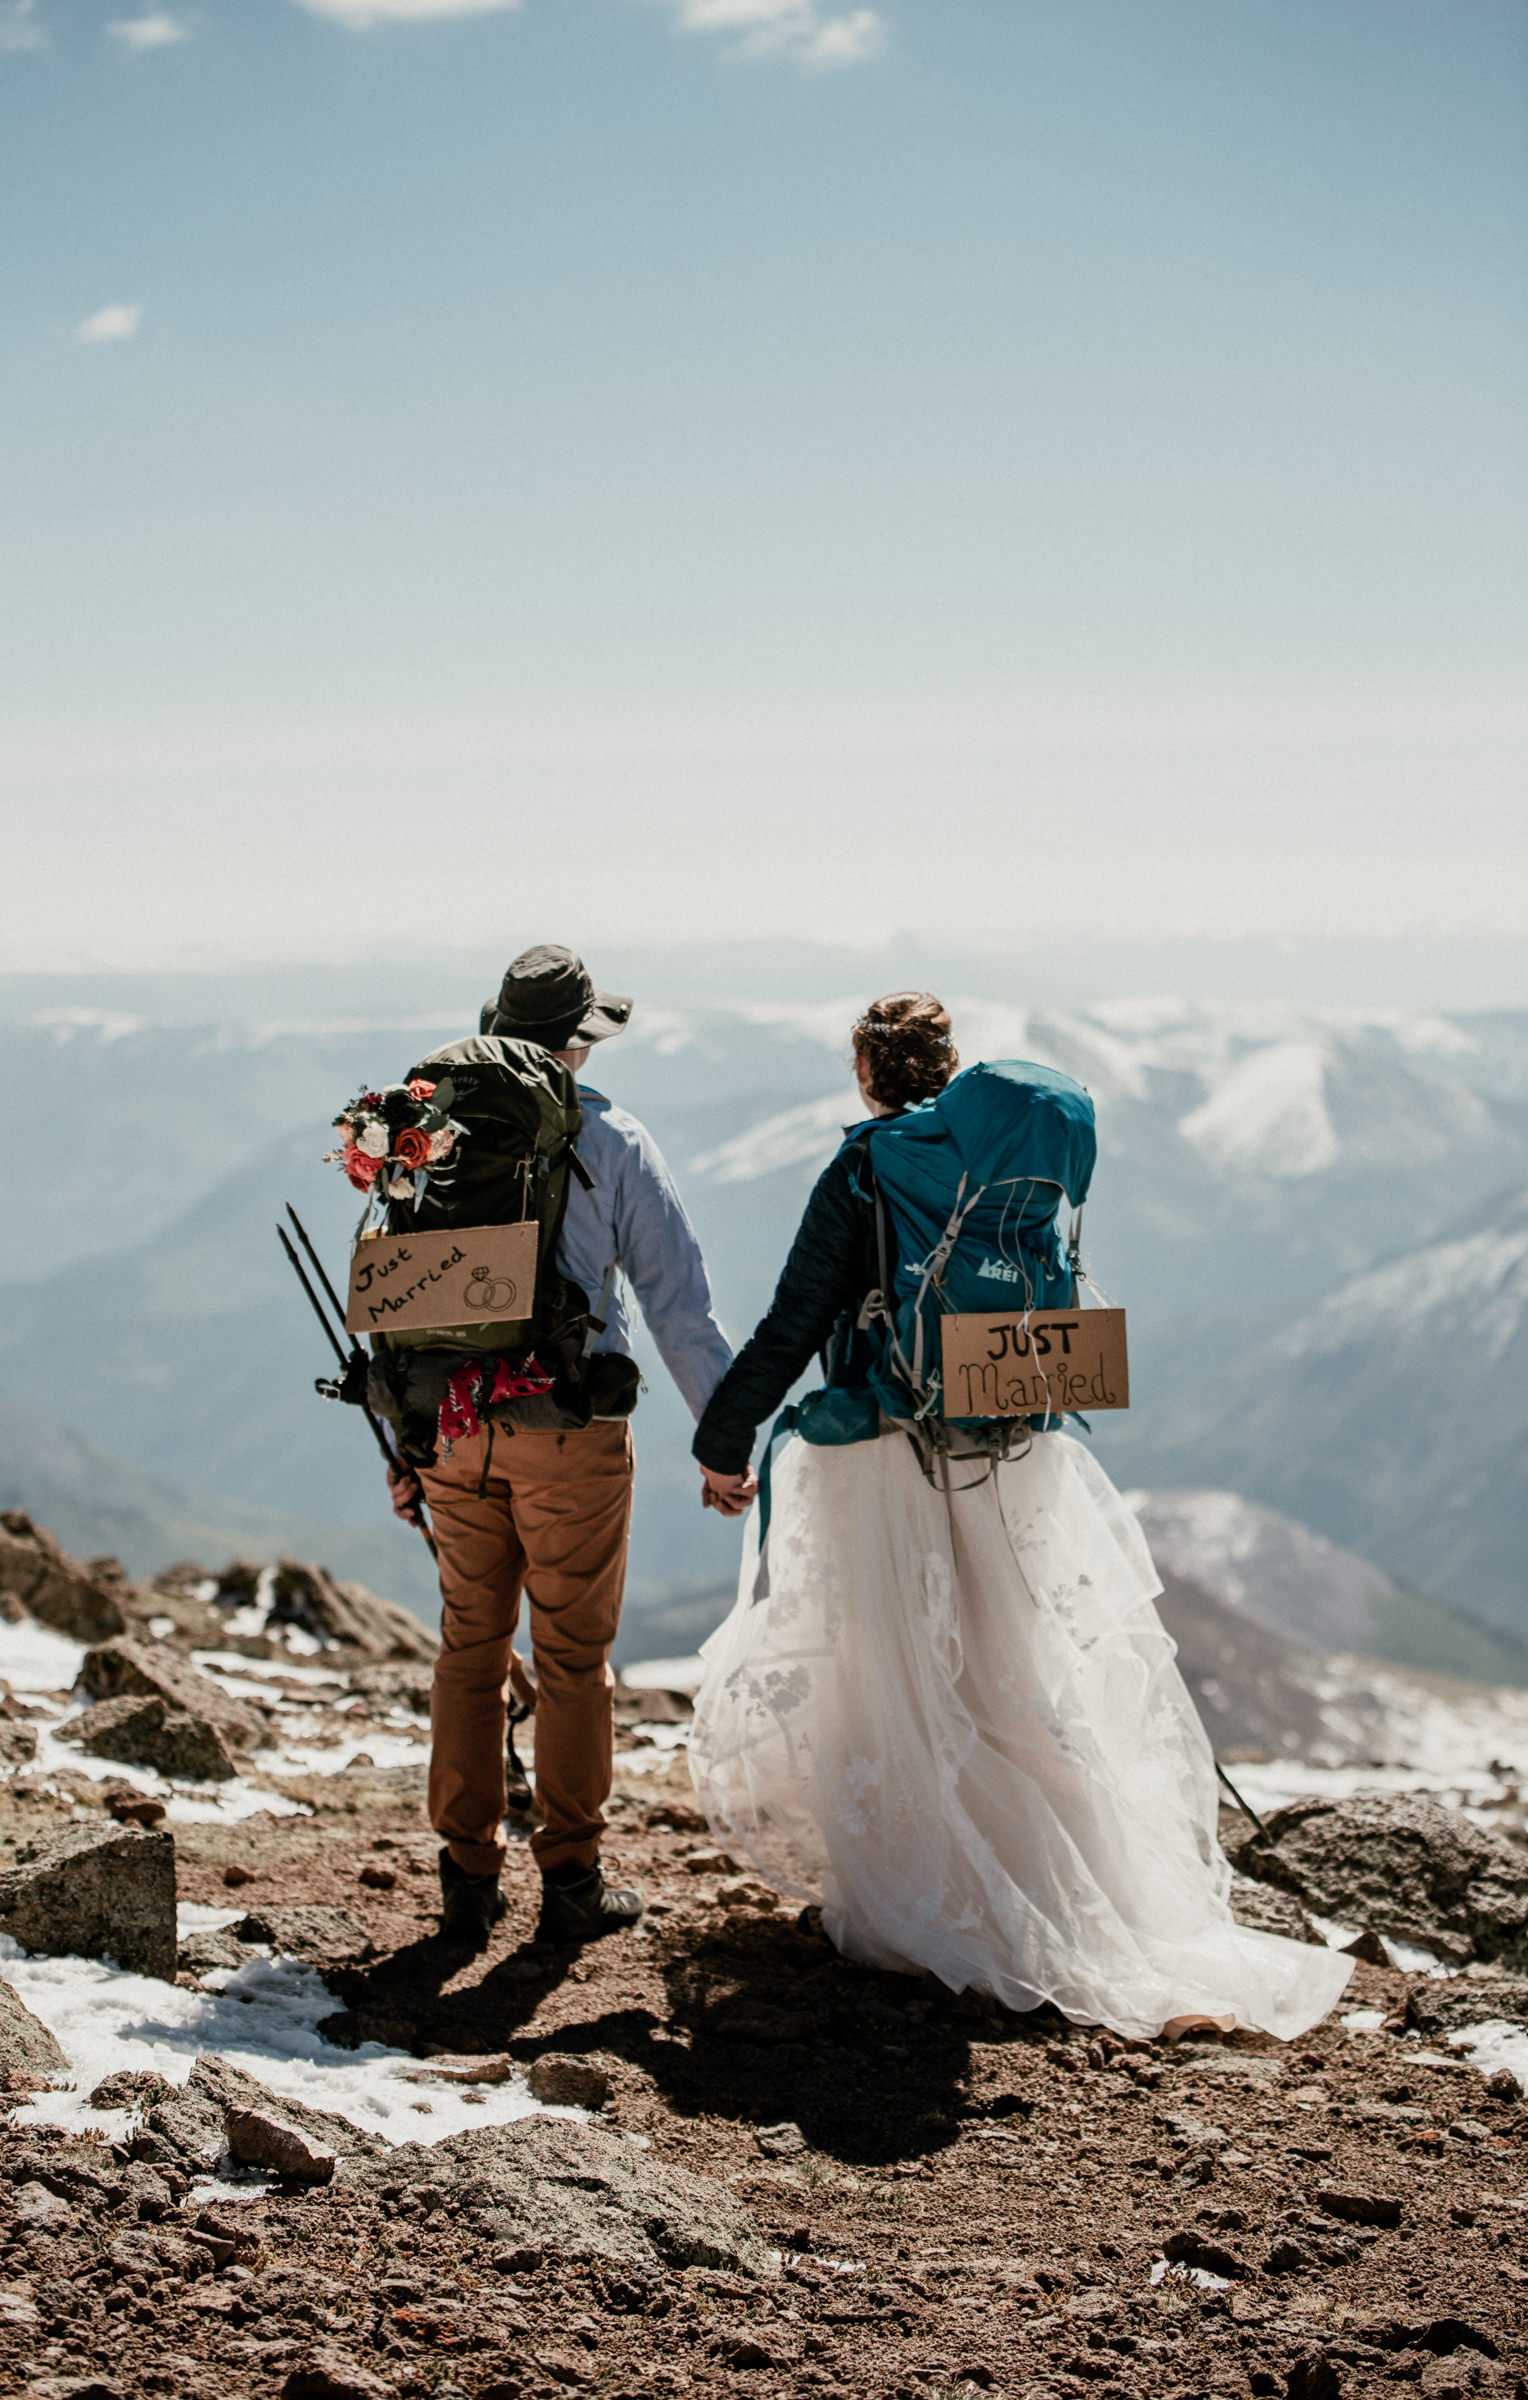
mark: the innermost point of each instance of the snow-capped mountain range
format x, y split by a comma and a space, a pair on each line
1392, 1412
1318, 1220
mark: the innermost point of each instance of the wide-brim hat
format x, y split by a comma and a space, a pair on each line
548, 996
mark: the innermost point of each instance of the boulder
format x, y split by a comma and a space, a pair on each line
550, 2185
52, 1586
40, 2211
392, 1683
1190, 2247
191, 2125
561, 2082
1264, 1909
130, 2087
1435, 2007
344, 1615
333, 2375
29, 2055
128, 1806
1399, 1864
95, 1891
183, 1594
18, 1742
144, 1671
261, 2137
211, 1952
307, 1930
145, 1731
1359, 2207
497, 2067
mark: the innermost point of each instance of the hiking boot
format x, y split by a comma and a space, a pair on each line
470, 1905
578, 1905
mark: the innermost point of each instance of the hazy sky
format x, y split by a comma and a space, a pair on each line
677, 466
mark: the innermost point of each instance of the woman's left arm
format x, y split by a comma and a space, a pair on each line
823, 1276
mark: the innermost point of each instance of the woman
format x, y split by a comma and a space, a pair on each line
954, 1717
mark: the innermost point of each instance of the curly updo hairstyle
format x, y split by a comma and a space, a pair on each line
903, 1045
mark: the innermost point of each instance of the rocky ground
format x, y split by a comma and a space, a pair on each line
711, 2156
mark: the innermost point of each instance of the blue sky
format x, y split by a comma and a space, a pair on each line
714, 456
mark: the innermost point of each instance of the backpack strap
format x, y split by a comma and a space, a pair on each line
786, 1422
879, 1308
933, 1268
597, 1324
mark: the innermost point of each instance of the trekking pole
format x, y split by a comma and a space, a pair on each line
350, 1361
1246, 1809
330, 1388
319, 1269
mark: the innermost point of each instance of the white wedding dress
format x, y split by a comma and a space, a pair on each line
957, 1722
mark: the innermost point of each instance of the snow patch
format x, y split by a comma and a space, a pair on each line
194, 1916
1419, 1298
223, 1664
33, 1658
252, 1618
188, 1802
1413, 1958
1335, 1935
1470, 1750
263, 2018
1266, 1565
1201, 2278
332, 1758
205, 2189
794, 1138
664, 1674
1269, 1116
659, 1748
1492, 2044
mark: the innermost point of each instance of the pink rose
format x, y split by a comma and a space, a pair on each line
418, 1089
362, 1171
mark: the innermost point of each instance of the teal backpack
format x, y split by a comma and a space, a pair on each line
967, 1190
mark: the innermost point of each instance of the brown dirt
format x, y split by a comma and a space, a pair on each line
963, 2201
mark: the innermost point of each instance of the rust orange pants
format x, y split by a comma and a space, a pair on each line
548, 1514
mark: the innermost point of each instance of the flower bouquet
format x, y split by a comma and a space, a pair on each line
396, 1141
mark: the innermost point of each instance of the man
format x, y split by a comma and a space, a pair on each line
550, 1512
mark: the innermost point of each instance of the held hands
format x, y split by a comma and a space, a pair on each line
406, 1493
731, 1495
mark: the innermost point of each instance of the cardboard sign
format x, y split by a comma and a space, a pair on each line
1011, 1364
402, 1281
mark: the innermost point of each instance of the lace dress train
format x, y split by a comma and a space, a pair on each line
957, 1722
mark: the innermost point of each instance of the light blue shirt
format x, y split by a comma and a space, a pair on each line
632, 1227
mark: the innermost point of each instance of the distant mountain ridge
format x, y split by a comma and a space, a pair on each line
98, 1505
1279, 1188
1393, 1412
1297, 1584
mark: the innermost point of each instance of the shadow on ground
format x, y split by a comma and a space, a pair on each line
433, 1995
756, 2020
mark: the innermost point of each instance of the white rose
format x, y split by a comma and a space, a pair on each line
376, 1141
